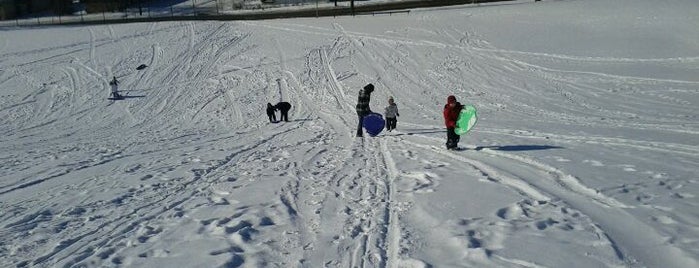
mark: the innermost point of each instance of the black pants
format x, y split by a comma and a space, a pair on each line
452, 139
285, 116
360, 132
391, 123
272, 117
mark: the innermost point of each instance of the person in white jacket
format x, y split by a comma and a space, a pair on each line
391, 114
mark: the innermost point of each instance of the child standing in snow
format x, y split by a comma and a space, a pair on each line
451, 114
271, 113
115, 88
391, 114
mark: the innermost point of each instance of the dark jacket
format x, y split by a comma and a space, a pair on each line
283, 106
270, 109
363, 100
451, 112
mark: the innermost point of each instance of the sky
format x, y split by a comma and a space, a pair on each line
584, 154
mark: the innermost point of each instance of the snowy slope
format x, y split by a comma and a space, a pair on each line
585, 153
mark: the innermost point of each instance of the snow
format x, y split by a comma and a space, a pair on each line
585, 153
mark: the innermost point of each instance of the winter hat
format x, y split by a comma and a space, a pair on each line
369, 87
451, 99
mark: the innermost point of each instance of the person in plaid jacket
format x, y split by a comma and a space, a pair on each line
363, 108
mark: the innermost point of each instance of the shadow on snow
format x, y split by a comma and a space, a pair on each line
518, 147
127, 97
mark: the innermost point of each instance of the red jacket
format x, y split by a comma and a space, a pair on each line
451, 112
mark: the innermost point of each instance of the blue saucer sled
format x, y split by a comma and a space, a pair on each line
373, 123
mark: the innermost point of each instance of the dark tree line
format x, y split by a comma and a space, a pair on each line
62, 7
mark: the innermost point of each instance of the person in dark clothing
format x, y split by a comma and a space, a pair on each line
451, 114
115, 88
271, 113
284, 107
363, 108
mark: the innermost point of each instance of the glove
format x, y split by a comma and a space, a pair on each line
397, 114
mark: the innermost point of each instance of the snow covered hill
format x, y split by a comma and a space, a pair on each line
585, 153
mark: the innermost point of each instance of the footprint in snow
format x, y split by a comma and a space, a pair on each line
419, 182
510, 212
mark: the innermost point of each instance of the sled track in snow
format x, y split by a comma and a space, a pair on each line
631, 243
356, 183
664, 147
392, 236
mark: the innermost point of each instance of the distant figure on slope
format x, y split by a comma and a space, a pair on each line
115, 88
271, 113
451, 114
283, 107
363, 108
391, 114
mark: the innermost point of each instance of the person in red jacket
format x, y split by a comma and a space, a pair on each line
451, 114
